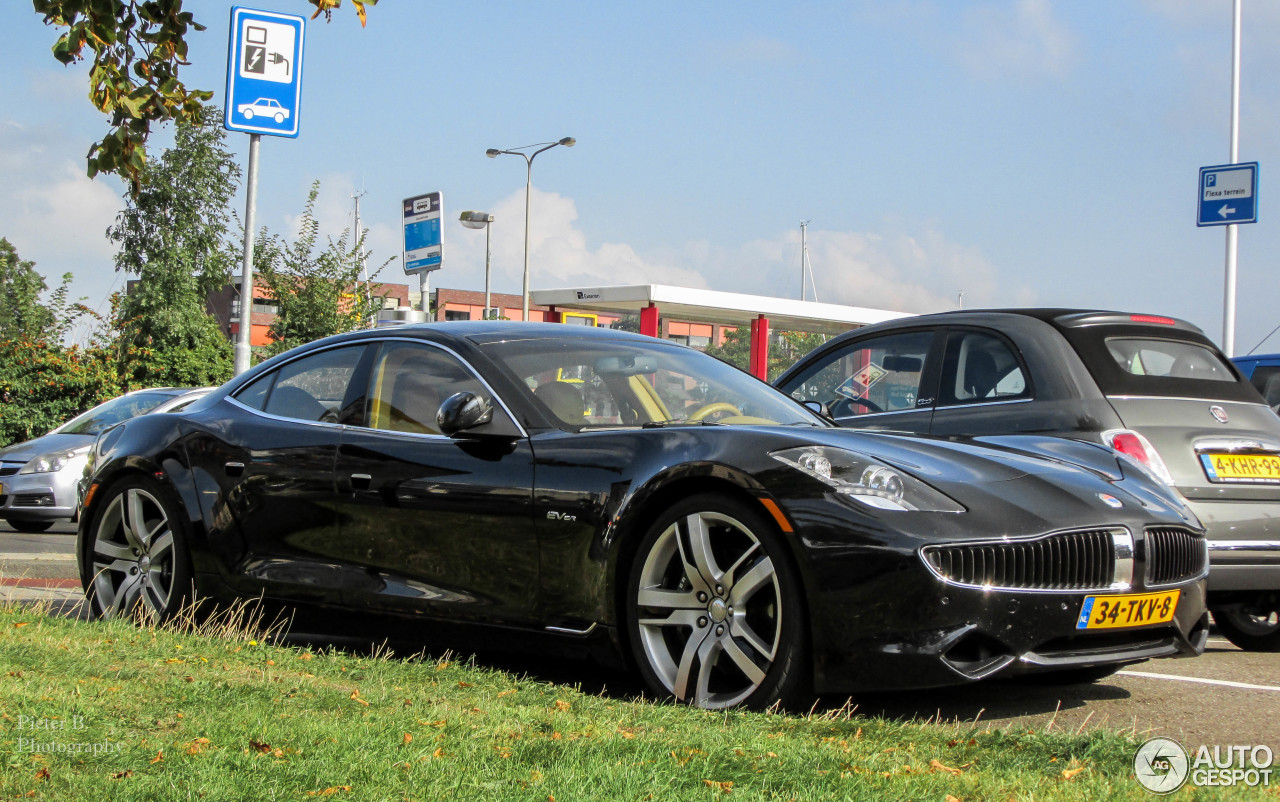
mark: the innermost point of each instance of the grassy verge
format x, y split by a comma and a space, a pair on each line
113, 711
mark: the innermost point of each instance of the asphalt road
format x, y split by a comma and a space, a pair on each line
1225, 697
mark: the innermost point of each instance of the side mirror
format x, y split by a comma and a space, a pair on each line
462, 411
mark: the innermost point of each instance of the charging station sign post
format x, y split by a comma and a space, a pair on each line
264, 94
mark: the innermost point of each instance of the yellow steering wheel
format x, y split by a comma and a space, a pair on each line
712, 408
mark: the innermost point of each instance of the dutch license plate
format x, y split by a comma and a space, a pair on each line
1136, 610
1264, 468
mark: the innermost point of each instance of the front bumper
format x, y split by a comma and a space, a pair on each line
952, 635
38, 496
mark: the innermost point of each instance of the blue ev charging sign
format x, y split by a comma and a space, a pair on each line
264, 72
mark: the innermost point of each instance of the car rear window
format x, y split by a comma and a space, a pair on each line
1134, 360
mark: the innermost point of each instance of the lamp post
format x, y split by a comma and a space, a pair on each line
493, 153
481, 220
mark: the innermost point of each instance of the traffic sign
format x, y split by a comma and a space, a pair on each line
423, 234
1228, 194
264, 72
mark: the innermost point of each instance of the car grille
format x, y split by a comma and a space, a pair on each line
10, 468
1082, 560
1174, 555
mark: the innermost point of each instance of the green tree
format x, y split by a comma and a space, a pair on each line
174, 236
785, 348
316, 294
137, 48
21, 313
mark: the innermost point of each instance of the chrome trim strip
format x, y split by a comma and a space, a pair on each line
1234, 444
1244, 545
571, 631
994, 402
1183, 398
1122, 543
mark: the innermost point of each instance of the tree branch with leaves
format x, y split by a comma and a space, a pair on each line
138, 48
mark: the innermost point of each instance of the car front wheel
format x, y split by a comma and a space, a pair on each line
714, 611
137, 562
1253, 625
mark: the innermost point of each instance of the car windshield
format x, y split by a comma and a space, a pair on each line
611, 383
112, 412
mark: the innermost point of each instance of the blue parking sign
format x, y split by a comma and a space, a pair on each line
1228, 194
264, 72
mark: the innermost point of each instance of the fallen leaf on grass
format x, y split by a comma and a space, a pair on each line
197, 746
465, 685
562, 705
159, 757
356, 696
261, 747
722, 787
305, 656
122, 775
330, 791
42, 774
408, 737
507, 692
938, 766
1069, 774
21, 624
951, 798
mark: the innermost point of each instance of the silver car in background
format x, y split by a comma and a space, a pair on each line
39, 478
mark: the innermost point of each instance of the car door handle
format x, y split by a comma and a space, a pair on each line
235, 468
360, 481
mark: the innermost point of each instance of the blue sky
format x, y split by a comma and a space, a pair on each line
1021, 151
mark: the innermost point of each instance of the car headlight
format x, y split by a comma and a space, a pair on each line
56, 461
866, 479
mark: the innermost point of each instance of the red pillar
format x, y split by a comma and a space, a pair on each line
649, 320
552, 315
760, 348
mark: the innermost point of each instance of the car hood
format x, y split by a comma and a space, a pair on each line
23, 452
1024, 483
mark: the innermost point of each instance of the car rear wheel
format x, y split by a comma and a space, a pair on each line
30, 527
714, 611
1253, 625
136, 562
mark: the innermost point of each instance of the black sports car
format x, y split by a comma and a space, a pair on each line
624, 492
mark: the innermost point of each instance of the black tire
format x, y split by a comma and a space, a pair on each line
29, 526
687, 640
135, 560
1253, 625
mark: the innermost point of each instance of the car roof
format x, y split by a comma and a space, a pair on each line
1059, 317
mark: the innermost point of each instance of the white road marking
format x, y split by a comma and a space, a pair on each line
1226, 683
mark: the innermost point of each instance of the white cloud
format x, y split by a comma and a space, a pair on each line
1023, 41
919, 272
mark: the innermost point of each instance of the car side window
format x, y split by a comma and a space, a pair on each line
409, 382
313, 388
876, 375
978, 368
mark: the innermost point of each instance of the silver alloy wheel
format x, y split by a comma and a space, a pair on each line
710, 633
133, 556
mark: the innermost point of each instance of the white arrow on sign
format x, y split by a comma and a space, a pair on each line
1225, 210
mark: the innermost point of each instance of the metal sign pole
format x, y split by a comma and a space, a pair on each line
243, 342
1229, 292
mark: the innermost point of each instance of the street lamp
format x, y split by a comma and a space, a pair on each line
493, 153
481, 220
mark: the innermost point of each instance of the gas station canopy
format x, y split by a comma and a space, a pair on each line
710, 306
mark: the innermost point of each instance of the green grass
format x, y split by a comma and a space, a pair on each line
221, 715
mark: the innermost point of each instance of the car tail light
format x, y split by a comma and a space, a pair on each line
1137, 448
1163, 321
